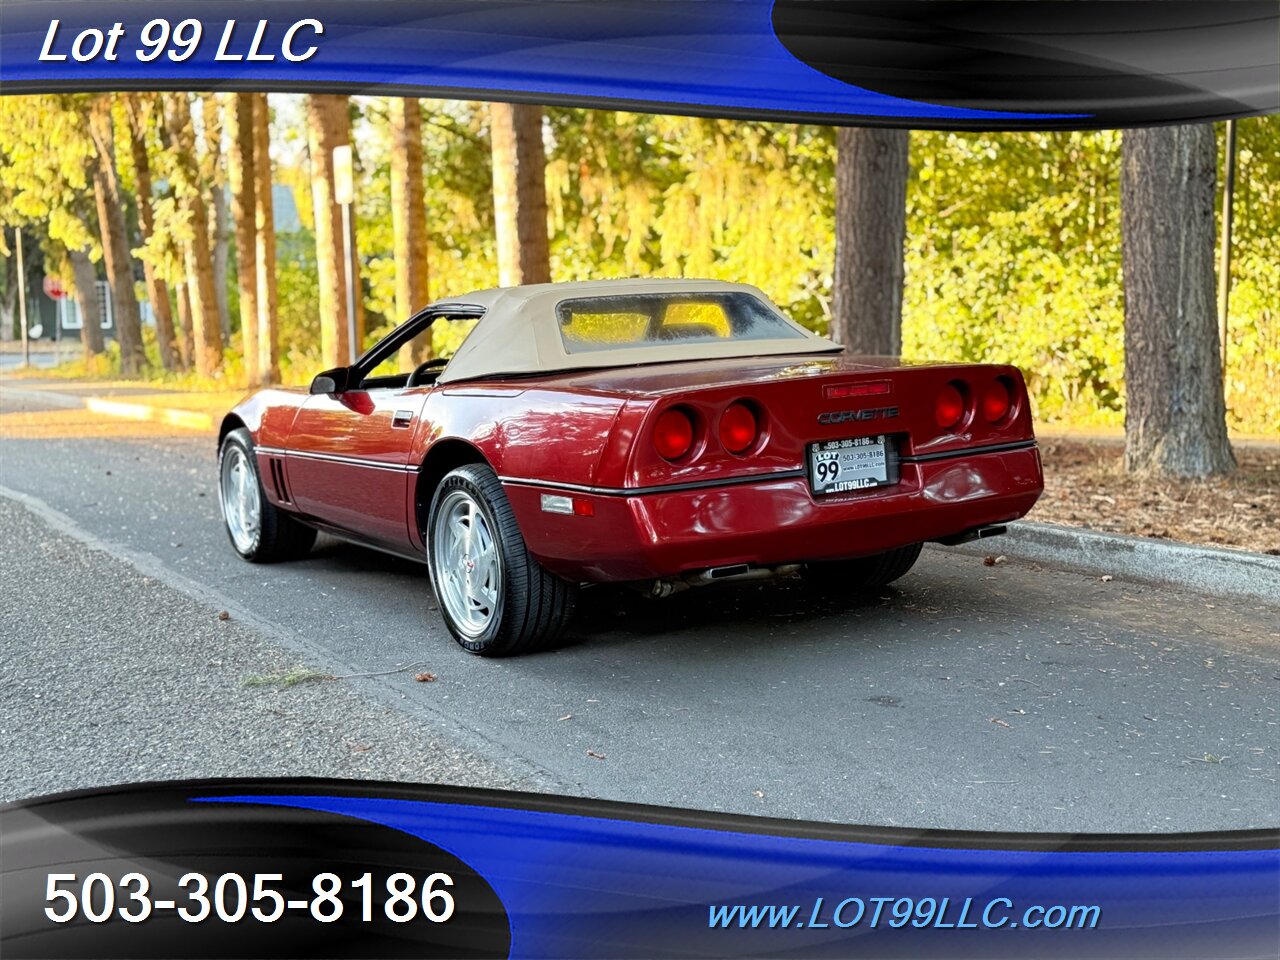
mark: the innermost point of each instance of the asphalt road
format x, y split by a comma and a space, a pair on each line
112, 676
42, 359
1007, 697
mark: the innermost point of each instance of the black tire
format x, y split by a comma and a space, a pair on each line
533, 607
863, 573
279, 536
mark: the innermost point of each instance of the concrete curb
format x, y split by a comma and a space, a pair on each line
1208, 570
190, 419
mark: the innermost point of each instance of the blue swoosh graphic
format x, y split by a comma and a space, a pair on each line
570, 882
703, 54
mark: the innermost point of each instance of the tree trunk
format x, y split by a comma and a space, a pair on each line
359, 287
328, 126
220, 236
268, 365
519, 194
115, 241
409, 222
184, 341
157, 289
219, 247
186, 325
1175, 414
242, 177
85, 279
206, 331
871, 217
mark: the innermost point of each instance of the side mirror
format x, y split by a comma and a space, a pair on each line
331, 381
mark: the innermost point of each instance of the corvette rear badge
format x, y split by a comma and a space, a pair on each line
845, 416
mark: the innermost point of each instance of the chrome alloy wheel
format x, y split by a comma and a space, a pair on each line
467, 563
240, 498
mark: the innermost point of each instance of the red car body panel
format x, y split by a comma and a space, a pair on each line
362, 462
775, 521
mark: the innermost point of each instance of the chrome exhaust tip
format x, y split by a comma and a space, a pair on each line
735, 572
974, 533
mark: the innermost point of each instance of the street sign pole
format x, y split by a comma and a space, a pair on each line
344, 194
22, 300
53, 289
57, 335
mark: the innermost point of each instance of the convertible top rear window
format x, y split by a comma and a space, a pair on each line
589, 324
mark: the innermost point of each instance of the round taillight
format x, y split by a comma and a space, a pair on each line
950, 407
673, 434
997, 401
738, 428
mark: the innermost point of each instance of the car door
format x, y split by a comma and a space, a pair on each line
348, 460
348, 455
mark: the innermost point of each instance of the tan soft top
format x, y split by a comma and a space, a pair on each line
519, 331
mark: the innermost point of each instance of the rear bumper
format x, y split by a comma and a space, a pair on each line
773, 521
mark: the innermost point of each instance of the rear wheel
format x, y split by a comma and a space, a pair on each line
259, 532
496, 599
863, 573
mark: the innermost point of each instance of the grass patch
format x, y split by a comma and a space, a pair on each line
283, 680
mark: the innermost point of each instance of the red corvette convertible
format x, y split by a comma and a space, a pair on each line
667, 434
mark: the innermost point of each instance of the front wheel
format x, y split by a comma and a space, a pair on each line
863, 573
496, 599
259, 531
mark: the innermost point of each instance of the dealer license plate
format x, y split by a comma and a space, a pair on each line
838, 466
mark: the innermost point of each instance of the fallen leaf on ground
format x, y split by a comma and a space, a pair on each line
595, 756
425, 678
999, 723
